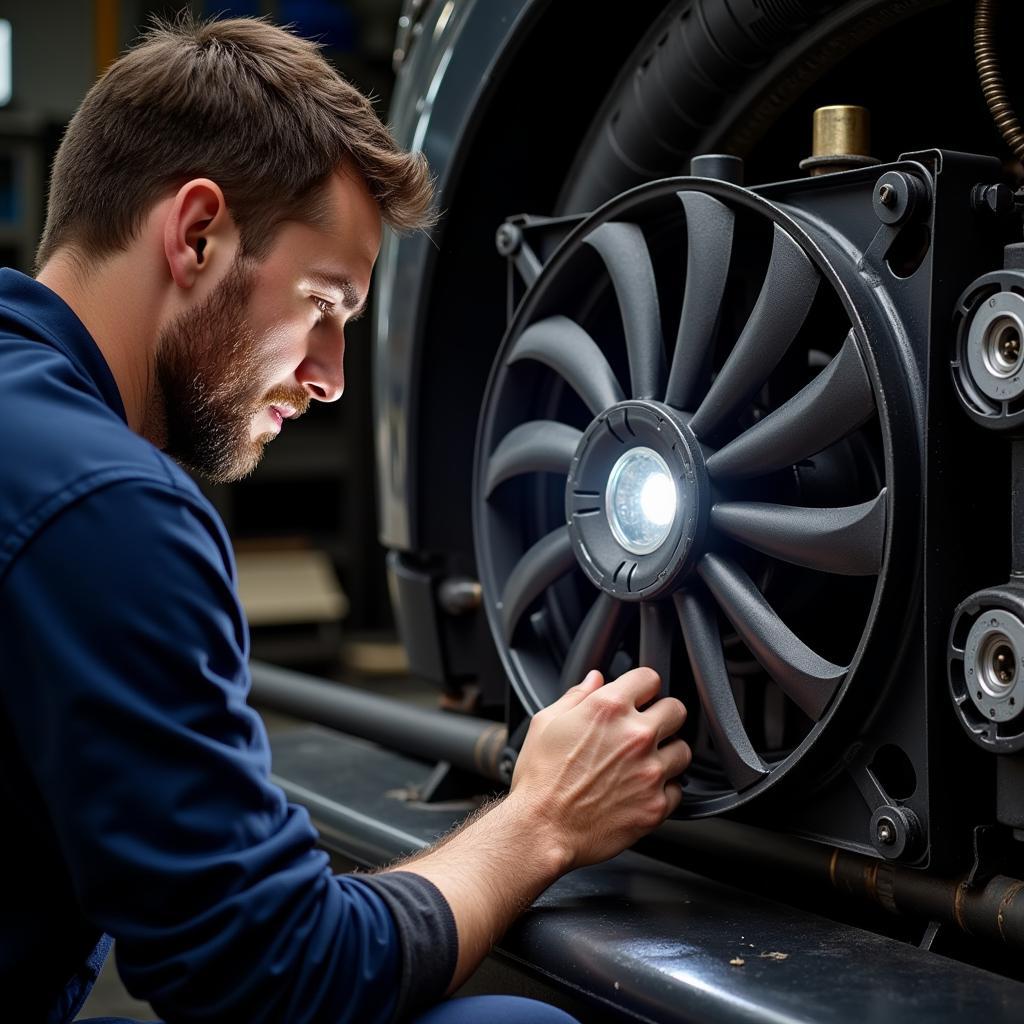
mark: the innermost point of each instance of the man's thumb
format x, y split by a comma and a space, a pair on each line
592, 681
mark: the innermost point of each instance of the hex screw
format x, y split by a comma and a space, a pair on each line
887, 196
885, 831
508, 239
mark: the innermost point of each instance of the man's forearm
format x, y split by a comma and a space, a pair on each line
593, 776
489, 871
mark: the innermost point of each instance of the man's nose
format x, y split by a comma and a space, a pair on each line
322, 373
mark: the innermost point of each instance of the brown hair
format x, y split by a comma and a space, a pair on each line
240, 101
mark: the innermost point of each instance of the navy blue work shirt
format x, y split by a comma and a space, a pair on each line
135, 798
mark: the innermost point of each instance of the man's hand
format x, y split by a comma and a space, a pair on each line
596, 772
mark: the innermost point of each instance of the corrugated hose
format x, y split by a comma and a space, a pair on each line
991, 77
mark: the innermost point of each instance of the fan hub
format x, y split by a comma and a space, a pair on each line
637, 500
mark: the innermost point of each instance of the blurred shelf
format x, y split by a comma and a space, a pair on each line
290, 586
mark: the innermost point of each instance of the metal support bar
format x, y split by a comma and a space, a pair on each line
992, 910
473, 744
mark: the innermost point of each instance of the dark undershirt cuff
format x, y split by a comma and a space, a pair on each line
427, 935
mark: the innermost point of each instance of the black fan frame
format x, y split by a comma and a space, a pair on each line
886, 699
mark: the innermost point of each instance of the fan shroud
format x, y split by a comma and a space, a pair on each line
690, 297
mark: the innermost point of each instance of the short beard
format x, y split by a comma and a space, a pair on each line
209, 385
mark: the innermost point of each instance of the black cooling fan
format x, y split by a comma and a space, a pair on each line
684, 460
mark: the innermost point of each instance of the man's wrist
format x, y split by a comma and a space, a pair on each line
549, 843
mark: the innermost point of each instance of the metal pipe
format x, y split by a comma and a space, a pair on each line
992, 910
473, 744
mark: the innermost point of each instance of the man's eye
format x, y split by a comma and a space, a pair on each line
324, 306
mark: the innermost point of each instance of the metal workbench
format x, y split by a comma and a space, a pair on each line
637, 939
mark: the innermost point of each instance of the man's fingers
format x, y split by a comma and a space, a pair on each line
667, 716
592, 681
674, 792
675, 757
639, 686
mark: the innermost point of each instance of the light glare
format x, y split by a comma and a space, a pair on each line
641, 500
658, 499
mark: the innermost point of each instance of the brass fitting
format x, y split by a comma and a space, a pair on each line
841, 140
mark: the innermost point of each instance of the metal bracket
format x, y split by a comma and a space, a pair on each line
894, 829
527, 242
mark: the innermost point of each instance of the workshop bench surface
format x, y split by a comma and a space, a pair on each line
639, 939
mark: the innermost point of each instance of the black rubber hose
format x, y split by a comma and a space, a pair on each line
987, 60
473, 744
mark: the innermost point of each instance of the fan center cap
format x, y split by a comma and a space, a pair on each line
637, 500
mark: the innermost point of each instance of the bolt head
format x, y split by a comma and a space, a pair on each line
887, 196
508, 239
885, 831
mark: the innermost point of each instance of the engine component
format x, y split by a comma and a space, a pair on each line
841, 140
986, 667
988, 358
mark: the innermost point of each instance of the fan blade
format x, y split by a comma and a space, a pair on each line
624, 251
785, 299
656, 641
540, 446
548, 559
804, 676
739, 759
709, 229
593, 641
562, 345
831, 406
849, 541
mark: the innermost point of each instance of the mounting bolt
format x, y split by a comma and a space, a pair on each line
898, 197
508, 239
885, 831
895, 832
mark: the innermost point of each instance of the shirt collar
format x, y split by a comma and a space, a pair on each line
46, 315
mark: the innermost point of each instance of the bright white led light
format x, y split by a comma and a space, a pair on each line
641, 501
658, 499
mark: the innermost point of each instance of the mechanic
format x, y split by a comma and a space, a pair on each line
215, 211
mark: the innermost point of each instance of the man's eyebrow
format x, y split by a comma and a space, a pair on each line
350, 298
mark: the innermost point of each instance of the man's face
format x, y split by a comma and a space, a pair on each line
269, 340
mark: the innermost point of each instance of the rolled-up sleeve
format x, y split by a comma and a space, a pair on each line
120, 618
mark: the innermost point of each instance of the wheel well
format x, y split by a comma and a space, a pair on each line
528, 134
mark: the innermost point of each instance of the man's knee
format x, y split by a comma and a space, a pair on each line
494, 1010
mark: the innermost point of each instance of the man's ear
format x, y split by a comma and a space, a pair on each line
199, 232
